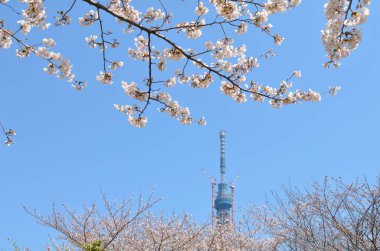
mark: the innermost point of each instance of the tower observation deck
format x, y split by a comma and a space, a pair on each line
224, 201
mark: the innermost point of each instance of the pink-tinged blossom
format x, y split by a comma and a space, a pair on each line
65, 70
34, 15
63, 19
141, 52
138, 122
162, 64
227, 9
79, 85
129, 110
5, 39
9, 136
193, 29
202, 121
276, 6
173, 54
260, 17
88, 18
116, 64
297, 74
278, 39
49, 42
295, 2
9, 142
132, 91
223, 60
243, 28
24, 26
342, 34
23, 53
105, 78
333, 90
125, 9
201, 80
51, 69
91, 41
201, 9
171, 82
152, 15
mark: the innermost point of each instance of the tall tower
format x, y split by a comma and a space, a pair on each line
223, 201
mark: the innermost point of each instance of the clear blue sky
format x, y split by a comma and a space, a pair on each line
72, 145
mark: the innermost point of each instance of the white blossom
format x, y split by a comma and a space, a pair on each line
242, 28
333, 90
49, 42
167, 60
33, 16
227, 9
278, 39
105, 78
116, 64
5, 40
91, 41
129, 110
202, 121
342, 35
138, 122
152, 15
171, 82
201, 9
88, 18
297, 74
25, 26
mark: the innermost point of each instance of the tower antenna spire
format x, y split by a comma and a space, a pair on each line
222, 136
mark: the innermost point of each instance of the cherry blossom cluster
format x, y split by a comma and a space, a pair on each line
141, 51
346, 211
5, 39
152, 15
89, 18
227, 9
193, 29
327, 215
33, 16
57, 65
220, 60
9, 134
123, 8
342, 34
135, 117
275, 6
137, 227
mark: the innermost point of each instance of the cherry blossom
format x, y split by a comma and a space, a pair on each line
9, 134
105, 77
221, 61
327, 215
342, 34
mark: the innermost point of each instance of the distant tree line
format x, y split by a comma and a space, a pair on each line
328, 215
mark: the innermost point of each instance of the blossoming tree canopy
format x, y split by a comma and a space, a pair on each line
159, 44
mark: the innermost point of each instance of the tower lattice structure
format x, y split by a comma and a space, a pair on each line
223, 203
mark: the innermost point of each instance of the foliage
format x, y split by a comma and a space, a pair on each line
93, 246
